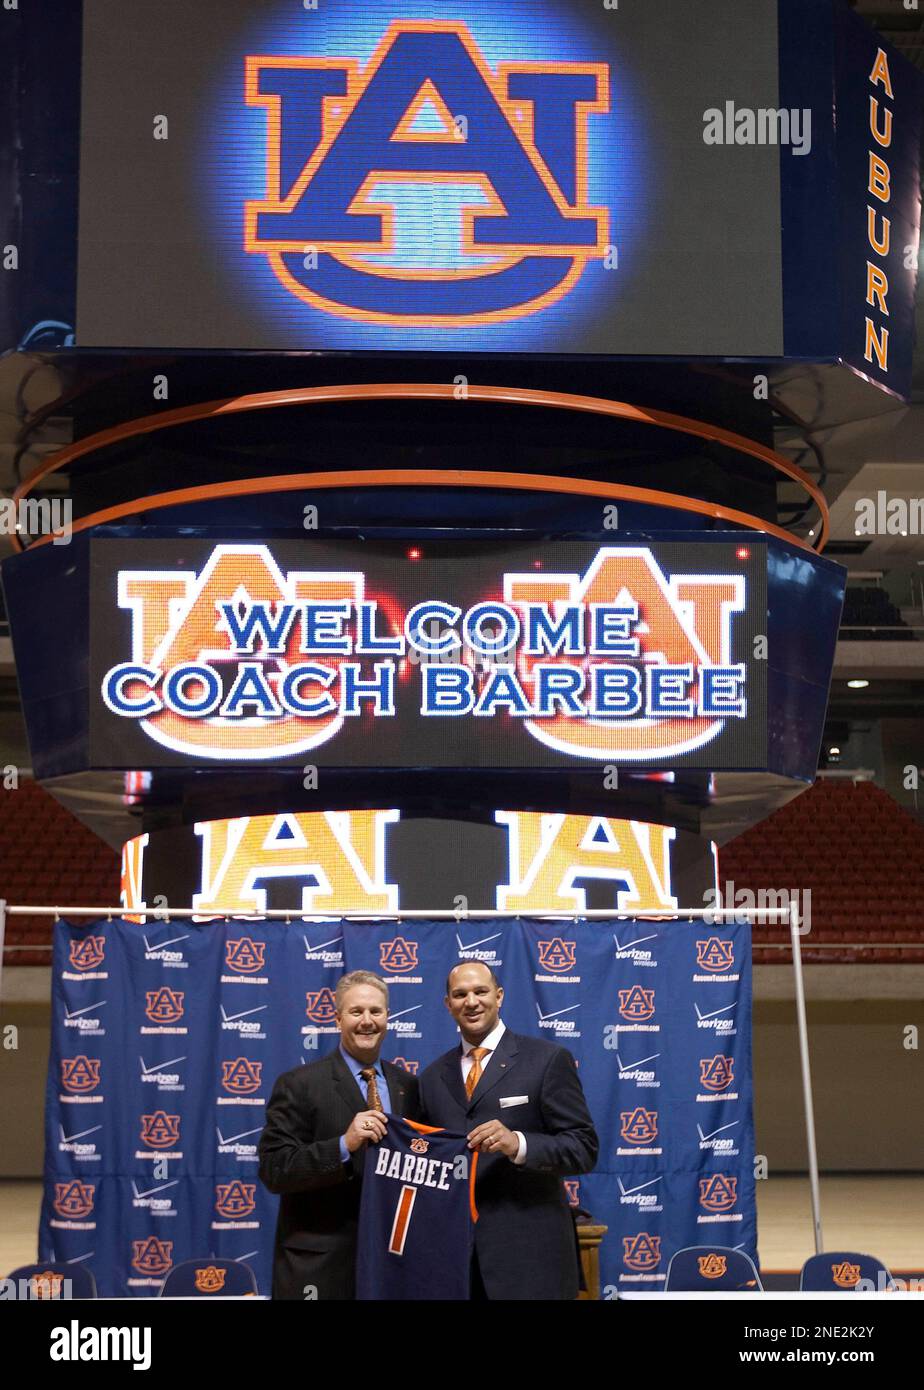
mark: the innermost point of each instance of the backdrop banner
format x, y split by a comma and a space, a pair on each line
167, 1038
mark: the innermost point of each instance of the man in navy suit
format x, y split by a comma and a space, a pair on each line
524, 1238
318, 1122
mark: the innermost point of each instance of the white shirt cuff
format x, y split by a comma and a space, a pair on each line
521, 1147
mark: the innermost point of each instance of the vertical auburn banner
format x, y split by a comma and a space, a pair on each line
167, 1038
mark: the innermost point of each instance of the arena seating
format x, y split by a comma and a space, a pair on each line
48, 857
861, 855
858, 851
870, 613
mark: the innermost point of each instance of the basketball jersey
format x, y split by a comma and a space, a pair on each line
416, 1215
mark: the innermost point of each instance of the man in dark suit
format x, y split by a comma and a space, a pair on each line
318, 1122
524, 1238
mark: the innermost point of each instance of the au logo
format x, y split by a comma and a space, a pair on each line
398, 955
428, 188
235, 1199
320, 1006
716, 1073
88, 953
164, 1005
419, 1146
74, 1199
641, 1251
160, 1130
845, 1275
245, 956
636, 1003
48, 1284
210, 1280
557, 954
572, 1191
718, 1192
406, 1065
715, 955
241, 1077
639, 1126
152, 1256
80, 1074
712, 1266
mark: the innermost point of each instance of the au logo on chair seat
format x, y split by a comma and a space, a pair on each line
426, 187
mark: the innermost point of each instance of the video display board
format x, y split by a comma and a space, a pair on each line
498, 176
361, 654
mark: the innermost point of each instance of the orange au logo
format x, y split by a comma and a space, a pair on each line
572, 1191
189, 630
712, 1266
406, 1065
419, 1145
716, 1073
164, 1005
48, 1284
74, 1199
718, 1192
320, 1006
845, 1275
152, 1256
641, 1252
715, 955
80, 1074
557, 954
398, 955
209, 1279
241, 1077
160, 1130
235, 1199
88, 953
636, 1004
639, 1126
245, 956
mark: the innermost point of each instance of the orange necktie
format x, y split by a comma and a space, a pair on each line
373, 1099
474, 1074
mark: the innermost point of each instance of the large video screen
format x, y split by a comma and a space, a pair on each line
361, 654
552, 176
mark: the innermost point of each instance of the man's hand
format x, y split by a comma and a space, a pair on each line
366, 1126
494, 1138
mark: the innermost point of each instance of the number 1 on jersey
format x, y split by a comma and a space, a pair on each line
402, 1220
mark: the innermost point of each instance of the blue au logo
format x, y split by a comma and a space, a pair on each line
427, 189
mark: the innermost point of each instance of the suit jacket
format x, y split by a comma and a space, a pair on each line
524, 1236
310, 1108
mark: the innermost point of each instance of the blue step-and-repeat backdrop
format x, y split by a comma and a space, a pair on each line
167, 1038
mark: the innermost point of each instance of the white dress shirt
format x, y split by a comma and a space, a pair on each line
490, 1043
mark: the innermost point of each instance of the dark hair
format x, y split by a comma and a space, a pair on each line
494, 980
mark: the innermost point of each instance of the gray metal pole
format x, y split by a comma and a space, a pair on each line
806, 1074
